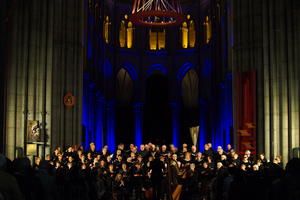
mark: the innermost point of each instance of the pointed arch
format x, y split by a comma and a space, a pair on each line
190, 89
156, 67
124, 87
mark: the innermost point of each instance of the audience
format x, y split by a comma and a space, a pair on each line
150, 172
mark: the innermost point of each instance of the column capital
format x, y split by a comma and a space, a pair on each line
109, 104
138, 106
99, 97
174, 104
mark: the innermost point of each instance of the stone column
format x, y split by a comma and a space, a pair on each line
99, 121
110, 124
138, 123
175, 122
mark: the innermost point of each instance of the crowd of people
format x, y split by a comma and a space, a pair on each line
149, 172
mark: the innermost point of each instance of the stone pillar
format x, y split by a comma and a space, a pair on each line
110, 124
99, 121
138, 123
175, 122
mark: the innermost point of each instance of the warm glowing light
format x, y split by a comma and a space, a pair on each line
122, 34
184, 32
129, 35
106, 29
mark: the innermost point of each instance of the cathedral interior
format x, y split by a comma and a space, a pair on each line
80, 71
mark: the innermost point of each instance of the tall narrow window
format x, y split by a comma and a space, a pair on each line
185, 32
192, 34
106, 29
129, 34
161, 39
126, 33
207, 30
122, 34
152, 40
188, 33
157, 39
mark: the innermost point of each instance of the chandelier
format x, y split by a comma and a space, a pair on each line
156, 13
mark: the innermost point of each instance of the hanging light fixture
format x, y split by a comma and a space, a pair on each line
156, 13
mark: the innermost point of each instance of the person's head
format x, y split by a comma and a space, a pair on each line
147, 147
219, 165
277, 159
104, 151
140, 158
150, 158
111, 167
255, 167
102, 163
248, 153
70, 159
184, 149
70, 149
119, 158
98, 157
199, 156
118, 177
243, 167
137, 165
37, 160
184, 145
229, 147
108, 159
220, 148
163, 148
89, 155
205, 165
293, 167
209, 145
121, 146
131, 146
194, 149
70, 165
235, 156
206, 147
142, 147
60, 157
79, 153
57, 165
132, 155
245, 158
192, 166
162, 158
124, 166
262, 156
223, 157
174, 156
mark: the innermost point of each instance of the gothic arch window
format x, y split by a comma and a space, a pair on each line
184, 32
207, 29
122, 34
129, 35
188, 33
124, 88
190, 89
157, 39
126, 33
192, 34
106, 29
